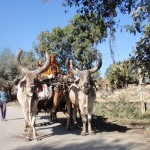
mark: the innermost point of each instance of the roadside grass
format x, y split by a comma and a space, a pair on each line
122, 111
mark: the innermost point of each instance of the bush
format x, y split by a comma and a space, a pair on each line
120, 109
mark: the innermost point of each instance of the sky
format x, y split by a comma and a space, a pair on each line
21, 21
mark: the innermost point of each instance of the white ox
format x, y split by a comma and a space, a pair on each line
27, 94
82, 94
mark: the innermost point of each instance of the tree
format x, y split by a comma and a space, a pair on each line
96, 75
8, 71
120, 75
107, 10
78, 40
141, 55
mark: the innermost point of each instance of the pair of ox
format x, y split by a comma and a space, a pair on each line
81, 94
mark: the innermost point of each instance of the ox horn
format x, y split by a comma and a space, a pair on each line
99, 58
45, 66
69, 67
25, 70
18, 64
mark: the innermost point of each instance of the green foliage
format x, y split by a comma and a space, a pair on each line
7, 68
140, 15
121, 109
141, 57
77, 40
120, 75
108, 11
96, 75
85, 35
28, 60
8, 71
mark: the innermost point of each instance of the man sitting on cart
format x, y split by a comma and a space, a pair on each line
55, 80
53, 62
53, 74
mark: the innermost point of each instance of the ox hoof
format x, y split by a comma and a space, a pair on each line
27, 139
83, 133
68, 128
38, 139
76, 126
91, 133
25, 130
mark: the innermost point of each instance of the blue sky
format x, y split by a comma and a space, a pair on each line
21, 21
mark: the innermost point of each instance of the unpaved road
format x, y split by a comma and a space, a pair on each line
109, 136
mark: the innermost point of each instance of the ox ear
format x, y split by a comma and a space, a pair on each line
22, 83
16, 81
76, 81
38, 85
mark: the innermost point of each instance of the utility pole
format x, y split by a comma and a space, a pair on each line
143, 105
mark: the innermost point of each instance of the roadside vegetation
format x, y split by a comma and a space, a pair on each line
122, 111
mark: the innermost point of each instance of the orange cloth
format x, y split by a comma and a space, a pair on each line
48, 71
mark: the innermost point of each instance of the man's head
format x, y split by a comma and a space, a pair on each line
3, 88
54, 70
53, 57
39, 63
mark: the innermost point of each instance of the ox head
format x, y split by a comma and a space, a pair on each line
30, 81
84, 77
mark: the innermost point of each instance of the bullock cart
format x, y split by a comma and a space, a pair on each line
46, 103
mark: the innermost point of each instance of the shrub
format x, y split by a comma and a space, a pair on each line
120, 109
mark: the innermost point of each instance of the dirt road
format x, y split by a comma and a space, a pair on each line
109, 136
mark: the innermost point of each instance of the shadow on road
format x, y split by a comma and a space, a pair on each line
15, 119
99, 124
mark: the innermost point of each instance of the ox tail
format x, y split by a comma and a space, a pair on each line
85, 107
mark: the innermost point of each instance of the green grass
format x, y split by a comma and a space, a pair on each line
123, 111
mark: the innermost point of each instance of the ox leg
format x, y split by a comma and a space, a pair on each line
75, 115
25, 120
91, 132
68, 114
33, 127
26, 124
90, 110
33, 122
84, 120
27, 130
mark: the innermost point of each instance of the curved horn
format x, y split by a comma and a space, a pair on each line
45, 66
99, 58
18, 64
69, 66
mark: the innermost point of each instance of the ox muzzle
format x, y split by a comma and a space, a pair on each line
86, 88
31, 89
